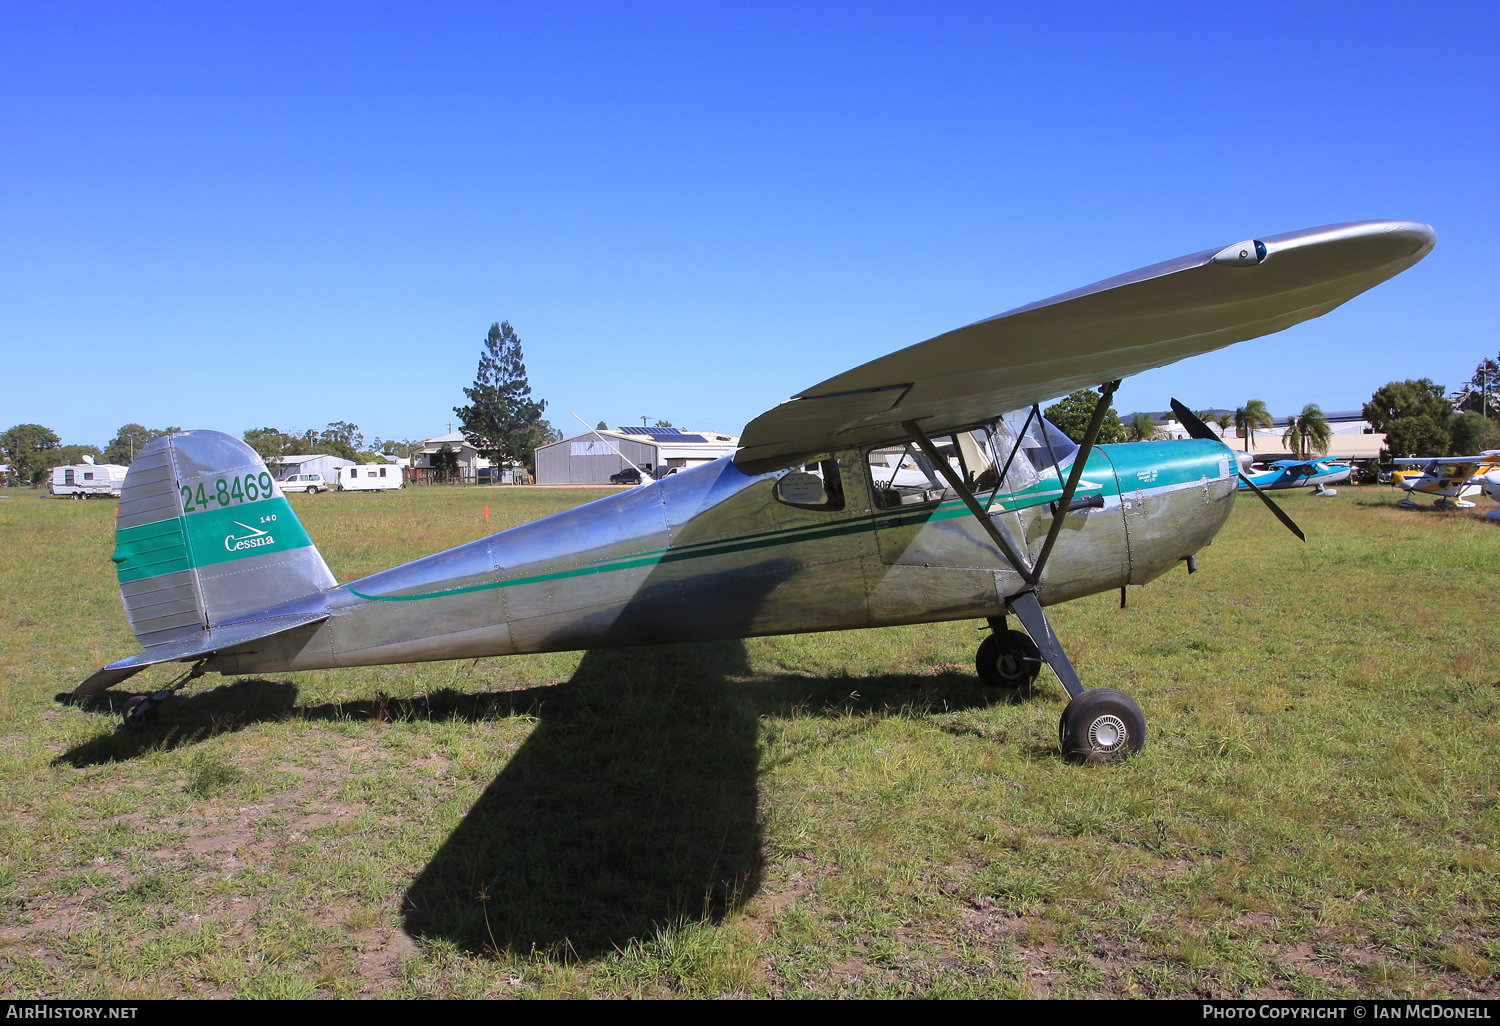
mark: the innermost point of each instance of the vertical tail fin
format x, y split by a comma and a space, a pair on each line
205, 537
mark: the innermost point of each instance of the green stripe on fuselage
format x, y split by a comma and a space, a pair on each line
206, 538
1175, 463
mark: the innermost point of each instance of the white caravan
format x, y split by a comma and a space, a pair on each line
88, 478
369, 477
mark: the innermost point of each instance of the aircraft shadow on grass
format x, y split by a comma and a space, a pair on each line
632, 804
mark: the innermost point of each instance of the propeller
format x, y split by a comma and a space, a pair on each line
1198, 429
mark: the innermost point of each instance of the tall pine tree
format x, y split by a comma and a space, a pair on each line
502, 421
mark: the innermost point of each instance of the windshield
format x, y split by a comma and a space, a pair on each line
903, 476
1043, 444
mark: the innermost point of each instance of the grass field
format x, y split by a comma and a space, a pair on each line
841, 814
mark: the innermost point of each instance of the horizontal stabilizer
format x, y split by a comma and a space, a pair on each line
201, 645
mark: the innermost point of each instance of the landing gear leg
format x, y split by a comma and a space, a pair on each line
1098, 724
142, 711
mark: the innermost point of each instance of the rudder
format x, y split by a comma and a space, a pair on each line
205, 537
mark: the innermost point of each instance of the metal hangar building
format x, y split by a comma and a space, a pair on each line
591, 457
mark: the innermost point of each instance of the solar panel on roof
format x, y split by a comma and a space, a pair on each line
661, 434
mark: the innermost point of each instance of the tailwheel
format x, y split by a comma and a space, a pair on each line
1008, 659
141, 712
1101, 725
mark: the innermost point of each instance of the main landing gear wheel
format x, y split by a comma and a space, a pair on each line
1101, 725
141, 712
1012, 662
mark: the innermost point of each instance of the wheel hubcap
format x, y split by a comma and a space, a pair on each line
1108, 733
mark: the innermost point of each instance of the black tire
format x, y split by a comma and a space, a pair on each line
140, 712
1101, 725
1013, 669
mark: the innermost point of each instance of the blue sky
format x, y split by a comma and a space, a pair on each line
232, 216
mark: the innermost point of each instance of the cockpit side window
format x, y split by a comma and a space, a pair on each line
903, 476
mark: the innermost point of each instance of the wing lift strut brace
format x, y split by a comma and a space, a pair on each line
1024, 603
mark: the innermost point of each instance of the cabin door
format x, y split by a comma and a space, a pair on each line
919, 520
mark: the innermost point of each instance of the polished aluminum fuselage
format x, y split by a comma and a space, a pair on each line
712, 553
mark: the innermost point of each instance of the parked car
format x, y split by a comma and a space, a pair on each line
312, 484
628, 476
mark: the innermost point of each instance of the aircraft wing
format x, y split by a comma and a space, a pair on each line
1113, 328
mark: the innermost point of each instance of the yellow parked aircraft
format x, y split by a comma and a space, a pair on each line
1451, 478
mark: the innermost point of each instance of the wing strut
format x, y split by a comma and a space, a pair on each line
1106, 396
956, 482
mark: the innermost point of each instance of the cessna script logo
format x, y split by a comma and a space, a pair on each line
254, 540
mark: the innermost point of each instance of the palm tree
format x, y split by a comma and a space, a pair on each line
1251, 416
1209, 417
1142, 428
1308, 432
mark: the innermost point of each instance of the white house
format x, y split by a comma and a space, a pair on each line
472, 467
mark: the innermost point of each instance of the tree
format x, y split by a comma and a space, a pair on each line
1471, 433
30, 449
1142, 428
1481, 393
1072, 413
1413, 416
399, 448
70, 455
267, 443
1308, 432
444, 463
602, 426
664, 423
502, 420
340, 439
1251, 416
131, 439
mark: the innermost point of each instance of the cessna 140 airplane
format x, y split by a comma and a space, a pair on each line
906, 490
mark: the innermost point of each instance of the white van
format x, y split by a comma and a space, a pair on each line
88, 478
370, 477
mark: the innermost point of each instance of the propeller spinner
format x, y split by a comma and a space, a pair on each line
1198, 429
